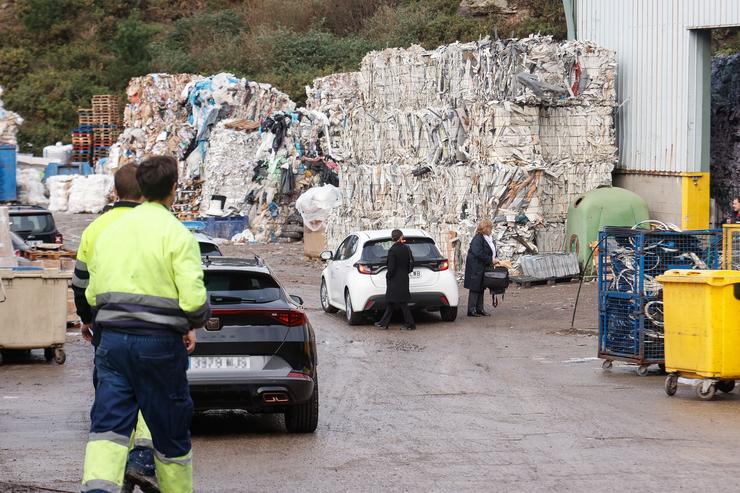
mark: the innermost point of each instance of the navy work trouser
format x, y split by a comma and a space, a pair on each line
147, 373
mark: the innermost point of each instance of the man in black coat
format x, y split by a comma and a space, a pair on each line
397, 294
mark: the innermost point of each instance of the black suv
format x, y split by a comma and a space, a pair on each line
258, 350
34, 224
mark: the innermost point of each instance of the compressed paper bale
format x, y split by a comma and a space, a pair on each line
9, 123
59, 192
229, 165
31, 191
580, 134
89, 193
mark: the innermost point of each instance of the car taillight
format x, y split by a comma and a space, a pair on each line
364, 269
58, 238
297, 374
444, 300
17, 253
444, 265
290, 318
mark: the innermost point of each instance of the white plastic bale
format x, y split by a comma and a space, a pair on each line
30, 188
59, 192
89, 193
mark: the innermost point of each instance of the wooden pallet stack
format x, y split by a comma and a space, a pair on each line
106, 124
82, 136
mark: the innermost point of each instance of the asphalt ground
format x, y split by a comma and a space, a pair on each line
514, 402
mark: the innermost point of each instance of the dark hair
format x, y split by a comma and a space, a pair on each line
125, 182
156, 176
396, 234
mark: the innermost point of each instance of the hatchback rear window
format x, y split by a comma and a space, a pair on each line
249, 287
421, 248
31, 223
209, 249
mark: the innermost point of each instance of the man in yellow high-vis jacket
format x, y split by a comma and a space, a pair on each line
140, 466
146, 290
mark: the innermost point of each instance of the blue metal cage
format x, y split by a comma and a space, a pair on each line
630, 299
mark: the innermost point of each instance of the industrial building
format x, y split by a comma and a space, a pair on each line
663, 90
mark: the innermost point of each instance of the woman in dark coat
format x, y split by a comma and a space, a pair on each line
480, 256
397, 294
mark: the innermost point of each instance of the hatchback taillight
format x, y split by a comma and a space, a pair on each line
368, 269
58, 238
290, 318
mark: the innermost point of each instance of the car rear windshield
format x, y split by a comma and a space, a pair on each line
31, 223
421, 248
241, 287
209, 249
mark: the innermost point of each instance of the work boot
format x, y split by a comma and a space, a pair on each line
140, 470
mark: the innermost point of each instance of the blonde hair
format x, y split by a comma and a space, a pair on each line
483, 226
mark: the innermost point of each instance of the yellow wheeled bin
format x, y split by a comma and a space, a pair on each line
701, 312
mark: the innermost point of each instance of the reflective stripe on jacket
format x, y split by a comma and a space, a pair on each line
81, 277
146, 274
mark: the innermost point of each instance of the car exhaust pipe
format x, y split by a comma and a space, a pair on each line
275, 398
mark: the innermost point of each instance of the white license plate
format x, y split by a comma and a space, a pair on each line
219, 363
415, 274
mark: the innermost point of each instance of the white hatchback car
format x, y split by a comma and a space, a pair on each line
354, 277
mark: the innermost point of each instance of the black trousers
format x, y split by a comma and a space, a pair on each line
408, 319
475, 301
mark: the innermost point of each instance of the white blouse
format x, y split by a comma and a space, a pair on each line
489, 240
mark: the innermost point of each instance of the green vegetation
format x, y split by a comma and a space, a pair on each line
55, 54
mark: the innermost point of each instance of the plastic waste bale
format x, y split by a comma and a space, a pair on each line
89, 193
31, 191
315, 205
59, 192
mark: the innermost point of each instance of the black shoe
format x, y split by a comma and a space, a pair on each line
134, 477
381, 326
474, 314
140, 470
407, 327
483, 314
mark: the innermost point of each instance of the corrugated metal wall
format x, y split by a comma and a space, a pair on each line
663, 75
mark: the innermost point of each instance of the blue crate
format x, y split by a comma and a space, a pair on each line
224, 227
630, 300
74, 168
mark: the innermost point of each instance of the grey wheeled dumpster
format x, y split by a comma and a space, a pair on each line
33, 311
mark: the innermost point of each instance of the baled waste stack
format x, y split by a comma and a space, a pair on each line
725, 137
9, 123
510, 130
238, 139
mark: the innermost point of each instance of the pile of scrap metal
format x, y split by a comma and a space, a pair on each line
510, 130
725, 133
9, 123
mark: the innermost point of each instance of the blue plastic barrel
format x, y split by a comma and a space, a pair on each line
7, 172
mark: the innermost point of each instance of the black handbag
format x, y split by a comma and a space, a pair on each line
496, 279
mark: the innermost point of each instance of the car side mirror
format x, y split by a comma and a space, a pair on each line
326, 256
297, 299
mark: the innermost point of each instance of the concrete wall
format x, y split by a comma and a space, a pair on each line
662, 193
